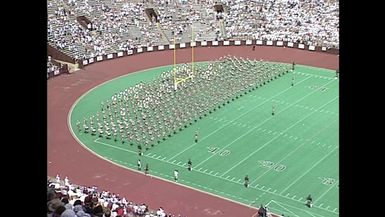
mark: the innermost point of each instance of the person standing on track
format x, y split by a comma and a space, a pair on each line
273, 110
292, 81
262, 211
57, 178
67, 181
176, 174
196, 136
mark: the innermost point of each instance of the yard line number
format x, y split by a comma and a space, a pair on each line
218, 151
271, 165
327, 180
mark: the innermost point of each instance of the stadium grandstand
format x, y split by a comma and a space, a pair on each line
114, 26
139, 119
70, 200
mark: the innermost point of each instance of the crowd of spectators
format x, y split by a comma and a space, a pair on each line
55, 68
119, 25
310, 22
65, 199
50, 66
122, 25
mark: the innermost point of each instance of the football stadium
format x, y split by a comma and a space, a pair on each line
193, 108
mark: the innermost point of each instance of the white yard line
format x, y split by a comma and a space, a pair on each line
275, 137
316, 76
285, 208
296, 180
223, 179
326, 192
230, 122
312, 214
97, 141
318, 132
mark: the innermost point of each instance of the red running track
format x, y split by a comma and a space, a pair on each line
68, 158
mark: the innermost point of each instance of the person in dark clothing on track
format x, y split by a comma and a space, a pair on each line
262, 211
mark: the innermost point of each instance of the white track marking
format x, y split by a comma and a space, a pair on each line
286, 209
112, 146
216, 176
312, 214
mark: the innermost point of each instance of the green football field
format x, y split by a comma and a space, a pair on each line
287, 156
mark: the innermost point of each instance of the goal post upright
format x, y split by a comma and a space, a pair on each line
192, 52
174, 69
183, 77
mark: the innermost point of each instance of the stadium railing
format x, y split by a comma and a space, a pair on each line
253, 42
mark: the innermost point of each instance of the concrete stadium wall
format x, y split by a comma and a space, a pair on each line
140, 50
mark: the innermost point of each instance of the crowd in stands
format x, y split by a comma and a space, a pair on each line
55, 68
121, 25
50, 66
65, 199
147, 113
142, 114
310, 22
